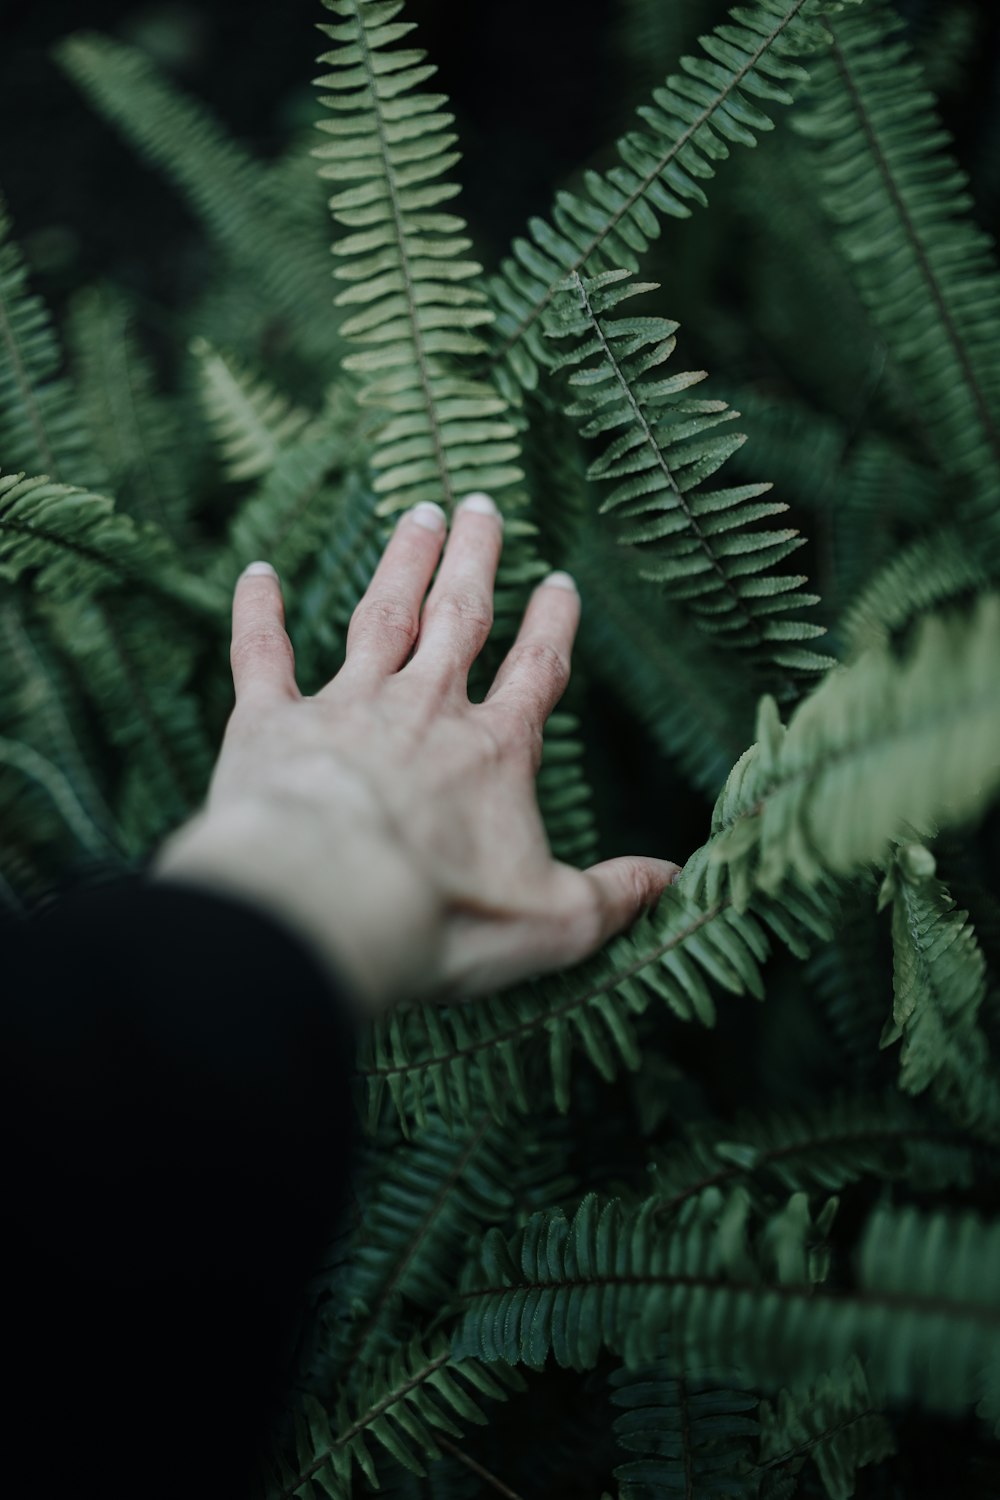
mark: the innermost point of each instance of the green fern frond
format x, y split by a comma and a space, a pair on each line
700, 545
836, 1423
134, 428
405, 1400
879, 746
70, 541
41, 428
939, 983
423, 1201
249, 420
713, 103
696, 1437
36, 768
698, 709
447, 432
933, 570
924, 269
418, 1052
924, 1313
140, 698
228, 190
820, 1150
849, 978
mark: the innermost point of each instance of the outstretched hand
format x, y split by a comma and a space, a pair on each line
390, 820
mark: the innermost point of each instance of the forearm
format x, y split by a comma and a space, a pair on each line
364, 914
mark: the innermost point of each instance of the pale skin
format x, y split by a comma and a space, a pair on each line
387, 820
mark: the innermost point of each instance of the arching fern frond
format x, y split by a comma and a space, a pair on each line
696, 1438
923, 1311
226, 187
697, 542
41, 428
924, 269
406, 1400
134, 428
715, 102
836, 1423
422, 1051
880, 746
447, 433
821, 1150
249, 419
936, 569
71, 541
939, 983
698, 707
43, 774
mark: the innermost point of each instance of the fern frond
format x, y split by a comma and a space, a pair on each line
406, 1399
419, 1051
821, 1150
134, 428
41, 427
713, 103
249, 419
228, 190
423, 1202
447, 433
924, 269
696, 1437
880, 746
933, 570
939, 983
836, 1423
36, 768
71, 541
700, 545
924, 1313
697, 707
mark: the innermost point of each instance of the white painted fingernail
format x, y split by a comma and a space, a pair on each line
560, 581
481, 503
429, 515
255, 568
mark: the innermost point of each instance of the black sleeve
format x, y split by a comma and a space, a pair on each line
175, 1106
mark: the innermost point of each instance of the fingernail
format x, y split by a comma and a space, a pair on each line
429, 515
559, 581
676, 875
254, 568
481, 503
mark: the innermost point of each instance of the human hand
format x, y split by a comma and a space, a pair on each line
390, 820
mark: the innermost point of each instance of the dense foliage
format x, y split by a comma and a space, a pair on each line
614, 1230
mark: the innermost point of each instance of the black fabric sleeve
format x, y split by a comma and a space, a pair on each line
178, 1136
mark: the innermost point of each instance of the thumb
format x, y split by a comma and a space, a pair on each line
626, 886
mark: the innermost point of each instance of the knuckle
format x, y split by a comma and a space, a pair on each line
385, 615
469, 606
267, 642
544, 661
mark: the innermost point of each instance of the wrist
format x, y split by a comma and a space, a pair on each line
351, 898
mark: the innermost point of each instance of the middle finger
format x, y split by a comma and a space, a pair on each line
458, 613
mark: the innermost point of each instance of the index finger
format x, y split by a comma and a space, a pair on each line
261, 655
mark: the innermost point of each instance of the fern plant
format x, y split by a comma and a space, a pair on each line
708, 1213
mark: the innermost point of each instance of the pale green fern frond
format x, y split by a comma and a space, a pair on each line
134, 428
248, 418
41, 427
878, 747
836, 1423
390, 148
936, 569
694, 540
715, 102
924, 269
